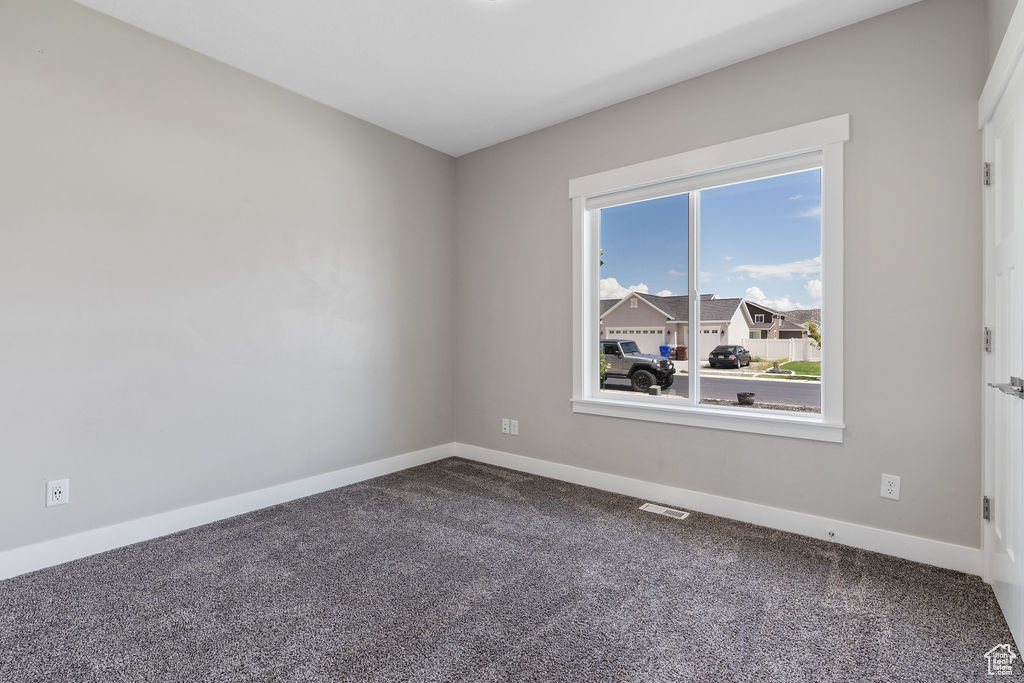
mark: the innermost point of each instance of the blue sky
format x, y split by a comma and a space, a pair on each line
760, 240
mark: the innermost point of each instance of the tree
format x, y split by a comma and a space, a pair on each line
815, 334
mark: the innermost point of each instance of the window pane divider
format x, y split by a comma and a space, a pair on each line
693, 326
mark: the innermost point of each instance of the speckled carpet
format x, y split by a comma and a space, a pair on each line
459, 571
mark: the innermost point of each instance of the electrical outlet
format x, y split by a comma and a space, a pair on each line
505, 427
890, 486
57, 492
514, 426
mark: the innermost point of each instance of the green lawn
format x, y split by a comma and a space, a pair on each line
803, 367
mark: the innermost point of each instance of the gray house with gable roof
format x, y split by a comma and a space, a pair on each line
653, 321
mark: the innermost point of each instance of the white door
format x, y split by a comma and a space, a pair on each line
1004, 310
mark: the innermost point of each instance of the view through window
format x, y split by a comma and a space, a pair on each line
757, 330
640, 348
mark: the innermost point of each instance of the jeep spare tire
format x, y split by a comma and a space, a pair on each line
642, 380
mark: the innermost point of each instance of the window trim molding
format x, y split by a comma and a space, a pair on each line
730, 161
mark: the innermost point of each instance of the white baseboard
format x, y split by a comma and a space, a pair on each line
924, 550
59, 550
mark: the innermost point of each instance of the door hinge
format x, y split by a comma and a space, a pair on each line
988, 340
986, 173
986, 509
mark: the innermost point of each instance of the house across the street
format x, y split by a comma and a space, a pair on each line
653, 321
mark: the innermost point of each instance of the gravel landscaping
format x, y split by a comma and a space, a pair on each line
763, 406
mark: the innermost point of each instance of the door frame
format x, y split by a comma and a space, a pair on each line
1008, 60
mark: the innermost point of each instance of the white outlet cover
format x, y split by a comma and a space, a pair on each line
890, 486
505, 428
514, 427
57, 492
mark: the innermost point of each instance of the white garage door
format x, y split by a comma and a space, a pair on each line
647, 338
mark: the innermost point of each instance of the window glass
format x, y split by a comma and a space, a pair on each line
760, 246
644, 248
760, 243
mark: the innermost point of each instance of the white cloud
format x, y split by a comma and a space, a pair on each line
813, 288
795, 197
813, 212
728, 258
755, 294
677, 273
611, 289
811, 266
664, 292
783, 303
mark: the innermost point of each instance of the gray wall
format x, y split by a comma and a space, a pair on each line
999, 13
910, 81
208, 284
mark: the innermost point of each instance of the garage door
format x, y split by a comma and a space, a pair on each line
647, 338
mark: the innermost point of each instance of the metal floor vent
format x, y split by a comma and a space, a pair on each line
662, 510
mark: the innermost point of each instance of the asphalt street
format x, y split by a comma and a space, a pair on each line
788, 392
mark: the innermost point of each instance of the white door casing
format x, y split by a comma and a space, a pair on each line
1002, 119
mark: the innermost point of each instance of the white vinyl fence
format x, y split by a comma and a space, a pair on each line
777, 349
650, 339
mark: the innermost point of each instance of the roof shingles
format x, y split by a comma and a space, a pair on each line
711, 309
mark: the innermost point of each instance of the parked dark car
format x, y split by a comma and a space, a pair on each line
729, 357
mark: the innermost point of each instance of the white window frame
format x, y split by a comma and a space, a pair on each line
759, 317
809, 145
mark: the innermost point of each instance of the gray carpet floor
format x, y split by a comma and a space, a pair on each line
459, 571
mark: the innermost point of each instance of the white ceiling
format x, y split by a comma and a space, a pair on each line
459, 75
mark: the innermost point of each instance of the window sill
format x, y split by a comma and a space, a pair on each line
731, 419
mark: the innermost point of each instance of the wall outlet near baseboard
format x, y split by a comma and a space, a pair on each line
890, 486
57, 492
505, 427
514, 427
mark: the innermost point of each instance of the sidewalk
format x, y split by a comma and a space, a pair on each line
705, 371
